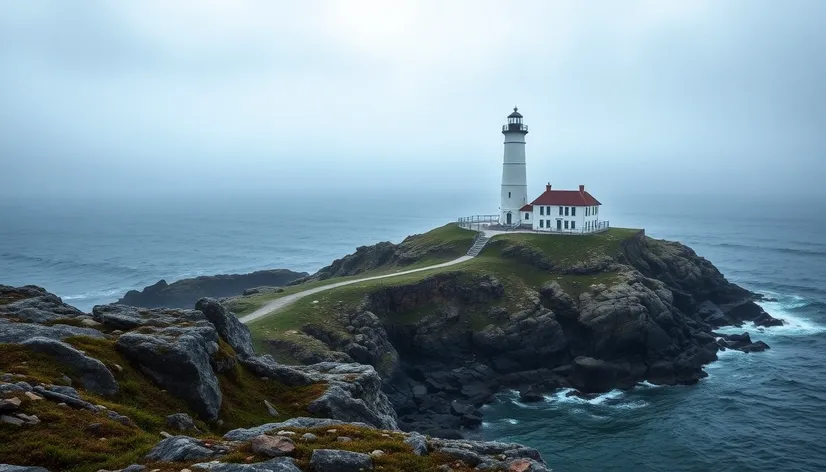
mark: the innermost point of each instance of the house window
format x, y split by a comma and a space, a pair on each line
509, 195
566, 224
566, 210
541, 210
541, 223
560, 211
587, 211
573, 225
573, 211
527, 216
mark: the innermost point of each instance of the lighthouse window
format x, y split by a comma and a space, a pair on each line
527, 216
509, 195
541, 210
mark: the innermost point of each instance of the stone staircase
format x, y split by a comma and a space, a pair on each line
478, 245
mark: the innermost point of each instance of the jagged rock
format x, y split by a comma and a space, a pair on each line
180, 422
11, 332
418, 442
179, 449
9, 404
178, 359
95, 376
558, 300
280, 464
272, 446
235, 333
354, 393
331, 460
184, 293
17, 468
124, 317
245, 434
34, 304
593, 375
530, 395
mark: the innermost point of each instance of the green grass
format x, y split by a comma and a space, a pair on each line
442, 244
60, 441
518, 278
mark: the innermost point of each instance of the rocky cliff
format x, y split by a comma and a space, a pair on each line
534, 314
184, 293
129, 388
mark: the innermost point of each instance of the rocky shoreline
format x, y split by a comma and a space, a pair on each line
59, 361
185, 292
654, 321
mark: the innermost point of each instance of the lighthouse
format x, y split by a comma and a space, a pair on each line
514, 178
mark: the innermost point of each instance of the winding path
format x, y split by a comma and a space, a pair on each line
286, 300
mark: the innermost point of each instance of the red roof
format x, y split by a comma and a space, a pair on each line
566, 198
527, 207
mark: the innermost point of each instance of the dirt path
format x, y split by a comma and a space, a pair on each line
286, 300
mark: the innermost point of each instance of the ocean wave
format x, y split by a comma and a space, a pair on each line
108, 268
776, 249
115, 292
611, 399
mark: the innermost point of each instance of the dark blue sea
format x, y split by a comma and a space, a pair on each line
764, 411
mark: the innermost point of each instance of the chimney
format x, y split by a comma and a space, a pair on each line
548, 187
581, 189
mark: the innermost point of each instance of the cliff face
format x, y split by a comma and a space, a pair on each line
444, 344
184, 293
99, 391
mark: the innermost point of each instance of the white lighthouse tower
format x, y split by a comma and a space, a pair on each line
514, 178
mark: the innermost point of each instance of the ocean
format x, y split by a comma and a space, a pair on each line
763, 411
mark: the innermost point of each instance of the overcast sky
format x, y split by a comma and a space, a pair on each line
169, 97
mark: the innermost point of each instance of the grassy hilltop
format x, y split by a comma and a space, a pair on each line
523, 262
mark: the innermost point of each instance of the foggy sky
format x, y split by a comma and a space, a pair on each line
129, 98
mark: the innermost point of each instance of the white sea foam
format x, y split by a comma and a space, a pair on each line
99, 294
511, 421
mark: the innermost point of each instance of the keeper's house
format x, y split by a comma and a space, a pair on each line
564, 211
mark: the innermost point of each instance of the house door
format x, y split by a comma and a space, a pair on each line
509, 218
559, 225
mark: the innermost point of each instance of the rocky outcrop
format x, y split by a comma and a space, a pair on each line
34, 304
11, 332
179, 360
354, 391
280, 464
229, 327
332, 460
95, 376
181, 448
184, 293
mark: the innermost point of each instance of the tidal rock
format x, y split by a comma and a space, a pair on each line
593, 375
272, 446
178, 359
530, 395
280, 464
180, 422
229, 327
95, 376
179, 449
331, 460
